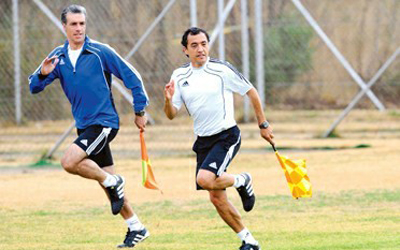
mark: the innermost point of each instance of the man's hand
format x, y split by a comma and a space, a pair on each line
169, 109
267, 134
49, 65
169, 90
140, 122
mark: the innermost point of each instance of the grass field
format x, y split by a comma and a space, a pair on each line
356, 201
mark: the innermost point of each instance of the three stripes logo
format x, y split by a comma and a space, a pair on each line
185, 84
138, 238
248, 184
120, 188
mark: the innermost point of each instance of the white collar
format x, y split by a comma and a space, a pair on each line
202, 67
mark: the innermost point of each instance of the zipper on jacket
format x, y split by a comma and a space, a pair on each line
76, 63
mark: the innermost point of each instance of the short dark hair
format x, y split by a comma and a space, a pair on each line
72, 9
193, 31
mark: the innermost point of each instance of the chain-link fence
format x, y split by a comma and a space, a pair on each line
301, 72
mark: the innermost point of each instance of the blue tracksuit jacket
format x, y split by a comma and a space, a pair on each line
88, 85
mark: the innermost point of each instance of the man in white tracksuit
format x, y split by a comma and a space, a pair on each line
206, 86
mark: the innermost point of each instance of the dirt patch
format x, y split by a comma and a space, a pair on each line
330, 172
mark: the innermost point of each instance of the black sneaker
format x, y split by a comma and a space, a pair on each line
247, 246
116, 194
246, 192
132, 238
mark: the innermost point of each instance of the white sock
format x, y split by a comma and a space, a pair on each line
134, 223
247, 237
109, 181
239, 180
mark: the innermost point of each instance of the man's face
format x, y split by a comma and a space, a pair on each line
75, 28
197, 49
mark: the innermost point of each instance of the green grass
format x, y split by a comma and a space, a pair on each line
281, 148
394, 113
347, 220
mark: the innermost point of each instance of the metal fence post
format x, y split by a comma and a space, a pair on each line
245, 55
17, 64
193, 13
218, 28
259, 47
221, 36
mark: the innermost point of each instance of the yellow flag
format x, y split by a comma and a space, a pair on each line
148, 179
296, 176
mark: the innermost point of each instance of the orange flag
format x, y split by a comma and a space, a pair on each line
148, 179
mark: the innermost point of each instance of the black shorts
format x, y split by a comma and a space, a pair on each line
94, 140
214, 153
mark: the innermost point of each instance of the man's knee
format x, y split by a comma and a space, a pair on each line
205, 182
68, 165
206, 179
72, 158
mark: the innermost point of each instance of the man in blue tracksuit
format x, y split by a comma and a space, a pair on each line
85, 68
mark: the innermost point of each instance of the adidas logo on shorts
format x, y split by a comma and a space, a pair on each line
84, 142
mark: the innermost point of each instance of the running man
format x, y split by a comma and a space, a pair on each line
206, 86
85, 68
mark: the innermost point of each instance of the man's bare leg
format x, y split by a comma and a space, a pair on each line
226, 210
136, 230
75, 161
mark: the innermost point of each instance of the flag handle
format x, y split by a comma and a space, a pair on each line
273, 147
